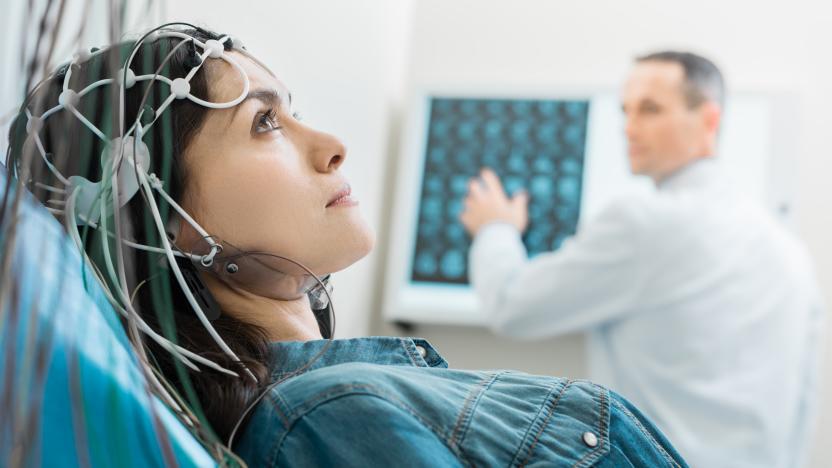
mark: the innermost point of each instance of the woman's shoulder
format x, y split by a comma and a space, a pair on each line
370, 381
351, 414
382, 413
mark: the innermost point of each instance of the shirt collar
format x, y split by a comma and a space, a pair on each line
702, 172
287, 357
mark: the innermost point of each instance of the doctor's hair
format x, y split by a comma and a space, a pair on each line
214, 397
703, 80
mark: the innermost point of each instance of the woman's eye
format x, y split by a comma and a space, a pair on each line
267, 122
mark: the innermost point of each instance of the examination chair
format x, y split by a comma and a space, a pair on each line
71, 391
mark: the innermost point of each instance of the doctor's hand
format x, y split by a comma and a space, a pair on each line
487, 202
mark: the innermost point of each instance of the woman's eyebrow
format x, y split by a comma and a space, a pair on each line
264, 95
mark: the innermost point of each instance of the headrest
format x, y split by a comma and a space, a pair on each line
70, 384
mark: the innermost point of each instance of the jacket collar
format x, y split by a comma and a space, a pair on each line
287, 357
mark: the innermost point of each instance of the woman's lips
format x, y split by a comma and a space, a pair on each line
342, 198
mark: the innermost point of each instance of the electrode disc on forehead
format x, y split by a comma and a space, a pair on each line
236, 43
214, 48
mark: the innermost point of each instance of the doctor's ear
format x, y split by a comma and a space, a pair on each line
712, 113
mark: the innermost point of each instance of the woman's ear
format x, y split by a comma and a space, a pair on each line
174, 229
181, 233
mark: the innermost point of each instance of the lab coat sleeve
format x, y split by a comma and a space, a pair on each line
595, 277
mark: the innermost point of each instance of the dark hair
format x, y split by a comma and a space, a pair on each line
74, 150
703, 80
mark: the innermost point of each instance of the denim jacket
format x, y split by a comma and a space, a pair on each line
394, 402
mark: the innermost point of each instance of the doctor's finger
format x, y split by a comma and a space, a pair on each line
465, 219
520, 198
475, 189
492, 182
471, 203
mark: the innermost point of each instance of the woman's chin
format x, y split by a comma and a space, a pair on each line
347, 250
362, 244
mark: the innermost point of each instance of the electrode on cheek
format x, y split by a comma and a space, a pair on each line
264, 274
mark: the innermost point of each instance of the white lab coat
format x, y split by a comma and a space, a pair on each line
700, 309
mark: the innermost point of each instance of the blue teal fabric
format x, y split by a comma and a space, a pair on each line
386, 401
88, 406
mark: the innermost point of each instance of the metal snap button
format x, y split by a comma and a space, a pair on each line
422, 351
590, 439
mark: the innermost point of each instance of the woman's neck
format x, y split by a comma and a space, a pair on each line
291, 320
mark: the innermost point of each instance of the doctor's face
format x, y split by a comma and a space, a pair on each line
663, 131
262, 180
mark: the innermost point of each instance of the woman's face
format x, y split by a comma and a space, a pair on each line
263, 181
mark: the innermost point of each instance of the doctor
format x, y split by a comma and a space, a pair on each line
700, 308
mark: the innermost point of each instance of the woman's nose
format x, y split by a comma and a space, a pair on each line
328, 152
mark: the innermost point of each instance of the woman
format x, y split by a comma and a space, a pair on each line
209, 211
